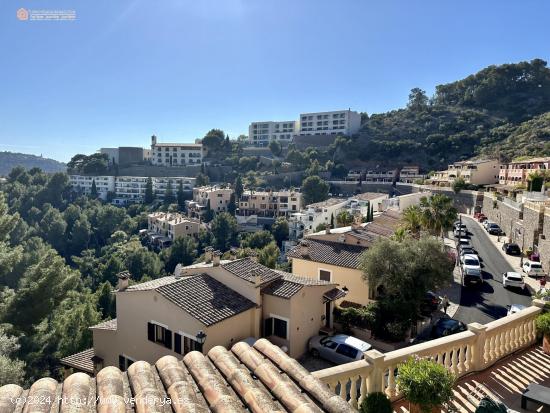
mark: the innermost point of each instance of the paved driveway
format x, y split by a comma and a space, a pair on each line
487, 302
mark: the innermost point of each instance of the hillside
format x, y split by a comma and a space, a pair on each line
499, 110
9, 160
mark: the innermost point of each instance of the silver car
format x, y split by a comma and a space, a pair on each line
339, 349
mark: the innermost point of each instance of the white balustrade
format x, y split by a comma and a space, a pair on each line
470, 351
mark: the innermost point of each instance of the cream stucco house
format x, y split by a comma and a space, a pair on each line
222, 301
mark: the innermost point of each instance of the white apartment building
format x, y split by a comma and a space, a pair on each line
128, 189
83, 184
476, 172
269, 203
261, 133
345, 122
175, 154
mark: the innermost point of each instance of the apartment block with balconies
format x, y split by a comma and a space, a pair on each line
476, 172
516, 173
269, 203
261, 133
344, 122
82, 184
216, 196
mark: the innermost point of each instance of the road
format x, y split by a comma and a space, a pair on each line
487, 302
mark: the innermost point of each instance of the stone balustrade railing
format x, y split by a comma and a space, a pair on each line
470, 351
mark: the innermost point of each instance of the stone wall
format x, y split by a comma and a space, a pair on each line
544, 242
507, 216
533, 221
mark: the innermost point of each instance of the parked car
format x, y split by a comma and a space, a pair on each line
339, 349
533, 269
472, 276
447, 326
463, 242
494, 229
430, 303
460, 232
515, 308
470, 261
469, 251
513, 279
486, 223
511, 248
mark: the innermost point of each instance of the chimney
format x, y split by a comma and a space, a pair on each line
208, 253
216, 259
327, 229
153, 140
123, 280
257, 280
232, 254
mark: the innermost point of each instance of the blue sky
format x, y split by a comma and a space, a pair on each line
177, 68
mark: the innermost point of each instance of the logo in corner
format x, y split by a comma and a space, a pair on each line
22, 14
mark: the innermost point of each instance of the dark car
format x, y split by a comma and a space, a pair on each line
468, 250
430, 303
511, 248
494, 229
447, 326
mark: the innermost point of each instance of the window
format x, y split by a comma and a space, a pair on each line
276, 326
159, 334
325, 275
124, 362
184, 344
347, 351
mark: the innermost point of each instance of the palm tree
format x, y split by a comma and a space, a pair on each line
438, 214
413, 220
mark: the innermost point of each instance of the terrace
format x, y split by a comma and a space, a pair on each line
497, 359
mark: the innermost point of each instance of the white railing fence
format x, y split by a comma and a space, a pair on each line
463, 353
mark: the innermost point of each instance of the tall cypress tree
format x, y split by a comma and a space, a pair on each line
181, 197
93, 191
169, 194
149, 194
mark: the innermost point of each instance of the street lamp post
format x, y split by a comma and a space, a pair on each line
201, 338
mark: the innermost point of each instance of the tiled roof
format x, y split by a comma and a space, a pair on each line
368, 196
106, 325
153, 284
248, 269
334, 294
80, 361
290, 284
328, 252
244, 379
205, 298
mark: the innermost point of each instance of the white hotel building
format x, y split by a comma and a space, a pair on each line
128, 189
261, 133
175, 154
345, 122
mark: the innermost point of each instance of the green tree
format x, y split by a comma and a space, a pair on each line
149, 192
105, 300
407, 269
224, 230
183, 251
93, 191
458, 184
344, 218
314, 189
412, 220
169, 194
279, 229
232, 206
214, 140
275, 147
438, 213
80, 236
238, 187
208, 213
269, 255
11, 369
417, 99
201, 180
257, 240
181, 197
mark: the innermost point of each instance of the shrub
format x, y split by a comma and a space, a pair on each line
376, 403
425, 383
542, 324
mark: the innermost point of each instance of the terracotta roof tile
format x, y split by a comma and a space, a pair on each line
80, 361
151, 285
106, 325
329, 252
290, 284
255, 379
248, 269
205, 298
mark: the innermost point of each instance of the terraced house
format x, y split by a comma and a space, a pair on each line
213, 303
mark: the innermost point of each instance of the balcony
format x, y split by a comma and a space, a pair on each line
477, 353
